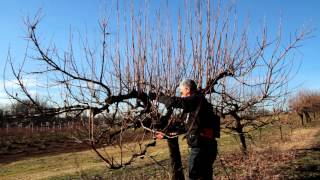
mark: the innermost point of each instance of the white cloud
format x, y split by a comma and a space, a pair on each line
34, 87
4, 99
13, 83
13, 87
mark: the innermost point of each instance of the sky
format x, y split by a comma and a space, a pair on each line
59, 16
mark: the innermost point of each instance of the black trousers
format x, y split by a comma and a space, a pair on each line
201, 160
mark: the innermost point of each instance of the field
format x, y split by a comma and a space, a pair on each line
295, 155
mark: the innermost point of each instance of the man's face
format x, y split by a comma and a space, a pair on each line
185, 91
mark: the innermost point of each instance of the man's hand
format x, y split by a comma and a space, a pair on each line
159, 135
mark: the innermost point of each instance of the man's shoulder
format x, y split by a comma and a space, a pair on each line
198, 96
195, 99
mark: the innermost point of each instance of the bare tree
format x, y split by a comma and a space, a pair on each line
304, 103
238, 73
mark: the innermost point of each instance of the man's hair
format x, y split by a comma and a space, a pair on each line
189, 83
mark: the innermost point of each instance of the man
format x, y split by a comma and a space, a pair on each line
202, 126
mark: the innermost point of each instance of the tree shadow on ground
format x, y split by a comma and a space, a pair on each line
54, 148
305, 166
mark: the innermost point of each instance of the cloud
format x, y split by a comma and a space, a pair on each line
13, 83
13, 87
34, 86
4, 99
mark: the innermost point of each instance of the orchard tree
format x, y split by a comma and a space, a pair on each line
25, 112
304, 103
239, 72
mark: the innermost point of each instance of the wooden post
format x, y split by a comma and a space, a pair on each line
91, 125
260, 133
280, 127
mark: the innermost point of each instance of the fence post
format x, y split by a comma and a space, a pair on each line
281, 132
260, 133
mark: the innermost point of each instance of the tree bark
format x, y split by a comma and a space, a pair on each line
308, 118
281, 136
239, 129
301, 117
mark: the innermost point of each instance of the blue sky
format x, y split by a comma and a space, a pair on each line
82, 15
294, 15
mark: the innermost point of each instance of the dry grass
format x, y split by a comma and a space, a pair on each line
76, 163
256, 165
261, 163
48, 166
300, 138
267, 156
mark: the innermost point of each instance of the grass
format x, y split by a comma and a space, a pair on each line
307, 161
294, 157
269, 157
47, 166
71, 164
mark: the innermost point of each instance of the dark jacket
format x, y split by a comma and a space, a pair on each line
197, 113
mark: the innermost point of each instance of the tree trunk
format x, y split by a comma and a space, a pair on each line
239, 129
301, 117
280, 127
308, 118
175, 158
260, 133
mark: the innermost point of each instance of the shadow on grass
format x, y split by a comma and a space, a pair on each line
306, 164
54, 148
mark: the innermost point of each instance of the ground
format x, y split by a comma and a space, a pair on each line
305, 164
295, 155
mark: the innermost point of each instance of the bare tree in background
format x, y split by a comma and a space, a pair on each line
25, 112
305, 103
239, 73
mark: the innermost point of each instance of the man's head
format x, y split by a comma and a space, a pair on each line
187, 87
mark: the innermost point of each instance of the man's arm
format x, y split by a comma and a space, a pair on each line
189, 103
166, 100
186, 103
